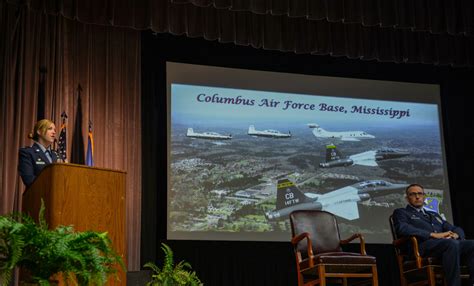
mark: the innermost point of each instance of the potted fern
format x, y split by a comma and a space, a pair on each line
79, 257
171, 274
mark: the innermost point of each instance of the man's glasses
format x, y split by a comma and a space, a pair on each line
414, 194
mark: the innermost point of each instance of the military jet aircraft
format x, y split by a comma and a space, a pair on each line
341, 202
320, 133
267, 133
369, 158
207, 135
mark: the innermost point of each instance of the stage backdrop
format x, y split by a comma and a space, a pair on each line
272, 263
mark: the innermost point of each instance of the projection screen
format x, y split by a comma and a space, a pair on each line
246, 147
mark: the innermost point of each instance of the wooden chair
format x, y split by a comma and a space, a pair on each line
414, 269
321, 258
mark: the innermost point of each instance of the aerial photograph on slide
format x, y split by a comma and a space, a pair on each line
240, 161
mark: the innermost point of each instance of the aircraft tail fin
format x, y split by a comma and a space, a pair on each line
332, 153
288, 194
251, 129
190, 132
318, 131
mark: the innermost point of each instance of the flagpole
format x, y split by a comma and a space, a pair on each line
62, 143
90, 138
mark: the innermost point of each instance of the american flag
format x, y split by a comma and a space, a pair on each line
62, 143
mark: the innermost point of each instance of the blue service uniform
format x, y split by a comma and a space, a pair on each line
409, 221
32, 160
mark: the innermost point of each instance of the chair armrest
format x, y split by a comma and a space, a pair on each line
400, 241
361, 239
296, 239
414, 243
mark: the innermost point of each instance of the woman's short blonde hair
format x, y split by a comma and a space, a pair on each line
41, 126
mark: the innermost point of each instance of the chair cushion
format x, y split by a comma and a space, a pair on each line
426, 261
343, 258
429, 261
347, 258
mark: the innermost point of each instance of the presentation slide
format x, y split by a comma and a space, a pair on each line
246, 148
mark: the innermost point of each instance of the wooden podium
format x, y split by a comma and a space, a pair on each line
85, 197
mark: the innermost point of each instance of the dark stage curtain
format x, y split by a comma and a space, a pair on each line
436, 32
436, 16
105, 62
272, 263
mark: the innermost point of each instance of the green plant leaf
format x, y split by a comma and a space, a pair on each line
172, 274
84, 258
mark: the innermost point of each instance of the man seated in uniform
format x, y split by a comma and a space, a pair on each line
436, 236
